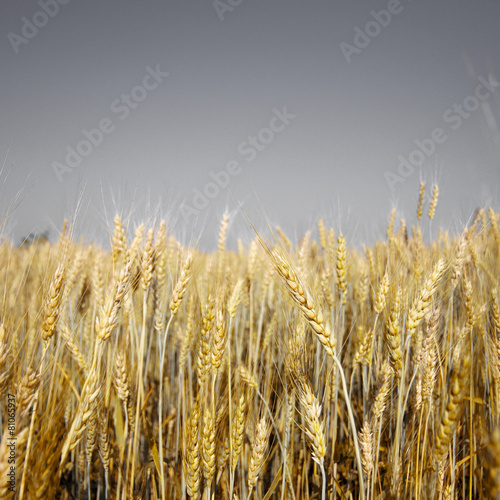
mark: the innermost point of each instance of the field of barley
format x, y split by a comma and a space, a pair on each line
309, 371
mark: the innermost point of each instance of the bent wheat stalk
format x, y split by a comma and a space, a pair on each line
301, 297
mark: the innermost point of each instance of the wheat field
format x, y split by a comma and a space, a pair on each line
158, 371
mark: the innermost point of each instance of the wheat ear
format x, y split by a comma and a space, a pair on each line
314, 427
302, 298
192, 453
422, 303
258, 453
452, 411
208, 453
420, 201
434, 200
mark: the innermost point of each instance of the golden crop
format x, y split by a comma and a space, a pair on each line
155, 370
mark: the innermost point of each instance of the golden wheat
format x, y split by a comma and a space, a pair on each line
156, 370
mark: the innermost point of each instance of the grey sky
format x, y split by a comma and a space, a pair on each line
227, 80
